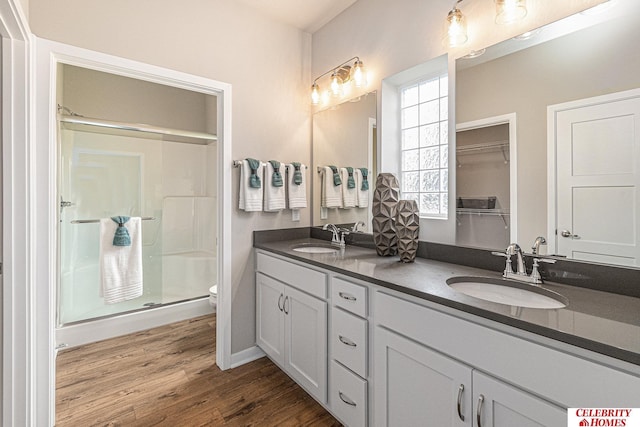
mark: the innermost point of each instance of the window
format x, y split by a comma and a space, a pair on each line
424, 155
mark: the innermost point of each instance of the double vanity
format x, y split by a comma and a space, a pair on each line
378, 342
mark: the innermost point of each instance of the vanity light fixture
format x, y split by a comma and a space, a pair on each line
509, 11
455, 27
341, 78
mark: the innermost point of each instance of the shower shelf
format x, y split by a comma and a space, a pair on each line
92, 221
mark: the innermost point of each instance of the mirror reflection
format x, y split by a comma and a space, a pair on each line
344, 136
576, 104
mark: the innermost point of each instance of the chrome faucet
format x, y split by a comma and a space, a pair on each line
514, 249
535, 249
354, 229
338, 234
521, 273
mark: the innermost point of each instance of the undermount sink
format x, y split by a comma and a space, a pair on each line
316, 248
508, 292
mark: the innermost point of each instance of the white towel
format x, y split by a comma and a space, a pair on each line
296, 194
331, 195
362, 196
250, 198
348, 194
274, 197
120, 266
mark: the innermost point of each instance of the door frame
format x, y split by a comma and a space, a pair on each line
20, 397
509, 119
46, 57
552, 164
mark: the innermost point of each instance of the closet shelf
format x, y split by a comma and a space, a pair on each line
495, 212
487, 146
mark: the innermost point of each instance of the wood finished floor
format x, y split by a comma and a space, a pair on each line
167, 377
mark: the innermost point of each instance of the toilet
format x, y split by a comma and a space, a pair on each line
213, 296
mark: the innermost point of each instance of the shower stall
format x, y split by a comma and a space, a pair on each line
165, 176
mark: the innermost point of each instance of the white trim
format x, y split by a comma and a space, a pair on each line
101, 329
18, 368
509, 119
48, 55
245, 356
552, 114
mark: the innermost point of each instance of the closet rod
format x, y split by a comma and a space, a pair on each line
137, 127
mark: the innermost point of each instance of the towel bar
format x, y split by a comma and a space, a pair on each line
90, 221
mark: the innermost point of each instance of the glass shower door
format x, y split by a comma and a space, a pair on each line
96, 182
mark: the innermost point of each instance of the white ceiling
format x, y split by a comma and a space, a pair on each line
307, 15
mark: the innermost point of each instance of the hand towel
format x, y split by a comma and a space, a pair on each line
250, 198
331, 195
121, 236
362, 191
348, 194
274, 197
296, 193
297, 172
120, 266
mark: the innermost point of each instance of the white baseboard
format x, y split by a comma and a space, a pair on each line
246, 356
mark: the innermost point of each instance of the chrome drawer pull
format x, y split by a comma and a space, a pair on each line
460, 390
346, 341
284, 306
280, 305
479, 414
346, 296
346, 399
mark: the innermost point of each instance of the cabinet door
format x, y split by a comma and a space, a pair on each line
416, 386
306, 341
269, 317
501, 405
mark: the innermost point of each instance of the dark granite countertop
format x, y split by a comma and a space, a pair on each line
602, 322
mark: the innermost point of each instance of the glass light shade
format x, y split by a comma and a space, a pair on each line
358, 75
315, 94
336, 84
508, 11
456, 29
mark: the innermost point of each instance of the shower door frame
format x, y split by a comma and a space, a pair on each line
47, 56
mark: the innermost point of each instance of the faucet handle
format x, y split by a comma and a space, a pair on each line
535, 274
507, 267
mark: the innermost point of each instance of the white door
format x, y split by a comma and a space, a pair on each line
500, 405
598, 179
270, 317
306, 341
416, 386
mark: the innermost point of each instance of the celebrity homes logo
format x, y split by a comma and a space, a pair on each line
603, 417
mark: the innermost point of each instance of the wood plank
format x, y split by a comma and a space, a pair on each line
167, 376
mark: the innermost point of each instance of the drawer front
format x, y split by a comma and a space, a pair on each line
348, 396
349, 341
349, 296
310, 281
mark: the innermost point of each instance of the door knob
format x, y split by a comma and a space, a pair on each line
567, 233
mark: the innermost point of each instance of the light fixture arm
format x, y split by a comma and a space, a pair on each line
338, 67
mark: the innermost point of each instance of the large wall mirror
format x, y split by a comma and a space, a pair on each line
344, 136
570, 91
